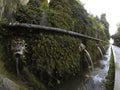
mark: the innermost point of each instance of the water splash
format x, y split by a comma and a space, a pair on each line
89, 58
97, 79
100, 51
17, 65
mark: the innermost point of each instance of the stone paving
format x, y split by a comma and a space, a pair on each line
116, 52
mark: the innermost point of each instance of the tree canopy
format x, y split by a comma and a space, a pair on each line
116, 36
106, 25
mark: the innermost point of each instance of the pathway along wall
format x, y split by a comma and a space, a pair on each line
47, 58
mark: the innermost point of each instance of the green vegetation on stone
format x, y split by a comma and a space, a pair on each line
116, 37
111, 74
65, 14
51, 56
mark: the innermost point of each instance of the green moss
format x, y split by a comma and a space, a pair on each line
4, 68
65, 14
33, 80
52, 56
61, 20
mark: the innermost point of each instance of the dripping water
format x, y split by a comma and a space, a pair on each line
17, 66
17, 58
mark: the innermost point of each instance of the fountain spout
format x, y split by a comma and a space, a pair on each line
18, 47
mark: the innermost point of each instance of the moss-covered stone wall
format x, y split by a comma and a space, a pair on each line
50, 57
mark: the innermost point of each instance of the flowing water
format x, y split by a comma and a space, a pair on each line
17, 65
93, 80
89, 58
100, 51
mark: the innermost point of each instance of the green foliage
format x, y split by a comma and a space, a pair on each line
2, 58
33, 80
116, 37
106, 25
50, 57
57, 56
73, 15
26, 14
32, 12
60, 20
59, 14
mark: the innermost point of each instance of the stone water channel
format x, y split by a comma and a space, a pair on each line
94, 80
116, 52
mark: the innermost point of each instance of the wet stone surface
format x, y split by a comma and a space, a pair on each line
116, 52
